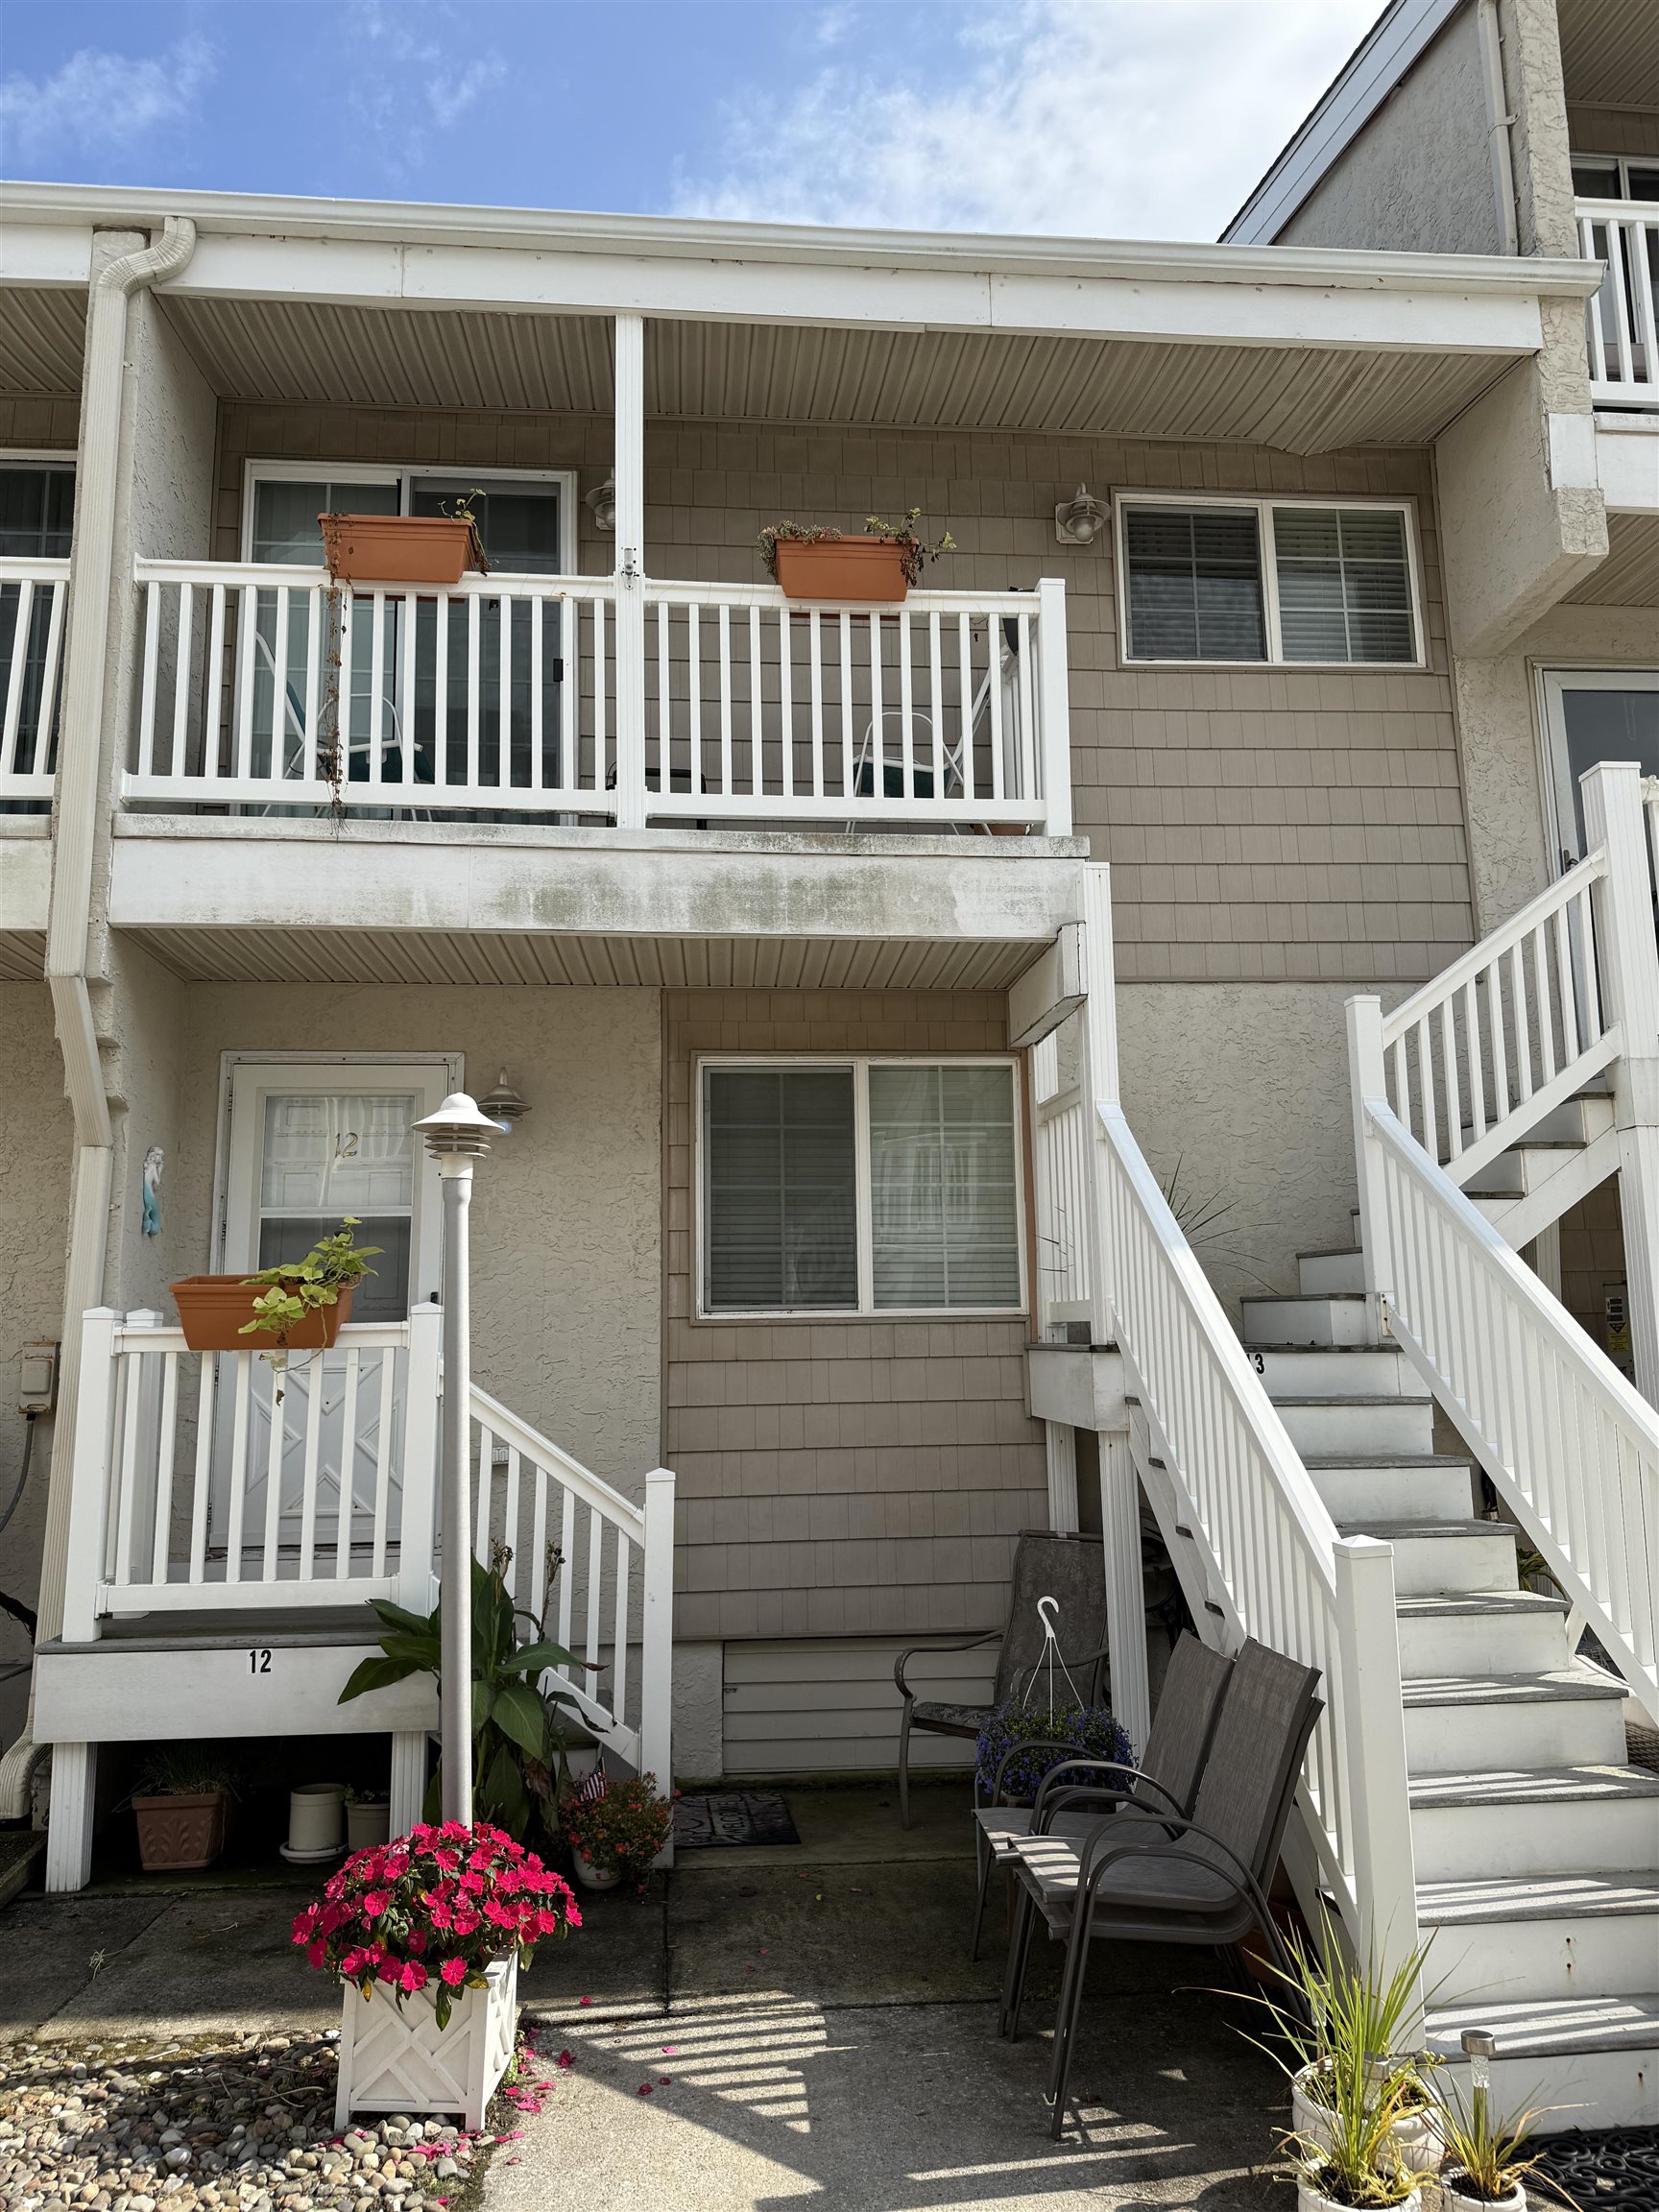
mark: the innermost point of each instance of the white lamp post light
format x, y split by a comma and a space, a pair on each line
456, 1135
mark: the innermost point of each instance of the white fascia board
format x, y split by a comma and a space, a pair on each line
1627, 464
1387, 53
25, 879
53, 254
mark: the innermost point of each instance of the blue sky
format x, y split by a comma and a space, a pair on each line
1131, 118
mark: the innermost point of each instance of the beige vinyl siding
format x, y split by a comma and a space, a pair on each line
837, 1476
1632, 131
32, 424
828, 1705
1270, 823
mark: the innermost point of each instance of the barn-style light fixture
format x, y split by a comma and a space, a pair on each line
1080, 520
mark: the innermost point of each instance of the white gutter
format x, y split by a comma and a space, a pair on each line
68, 932
1498, 120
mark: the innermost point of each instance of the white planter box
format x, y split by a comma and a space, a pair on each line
394, 2059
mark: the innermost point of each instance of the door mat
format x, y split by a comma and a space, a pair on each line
706, 1820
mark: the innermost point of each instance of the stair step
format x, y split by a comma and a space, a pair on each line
1548, 1718
1339, 1318
1509, 1786
1478, 1604
1379, 1491
1356, 1373
1543, 1936
1321, 1426
1506, 1898
1453, 1632
1598, 2055
1560, 1684
1319, 1273
1484, 1822
1445, 1558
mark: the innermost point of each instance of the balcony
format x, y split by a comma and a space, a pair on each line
33, 593
589, 699
1623, 346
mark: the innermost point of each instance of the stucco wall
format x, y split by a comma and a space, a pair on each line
1419, 175
566, 1214
34, 1210
1263, 823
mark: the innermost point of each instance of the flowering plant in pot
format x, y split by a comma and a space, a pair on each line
616, 1833
298, 1304
438, 1923
1040, 1738
405, 548
812, 561
180, 1802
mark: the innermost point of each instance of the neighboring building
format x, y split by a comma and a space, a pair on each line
788, 927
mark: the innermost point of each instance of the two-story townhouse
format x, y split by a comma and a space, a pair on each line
788, 923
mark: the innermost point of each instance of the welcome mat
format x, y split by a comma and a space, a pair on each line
720, 1818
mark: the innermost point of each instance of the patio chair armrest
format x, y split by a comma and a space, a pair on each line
972, 1644
1082, 1765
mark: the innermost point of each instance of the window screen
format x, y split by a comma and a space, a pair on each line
781, 1224
944, 1221
1194, 584
1344, 584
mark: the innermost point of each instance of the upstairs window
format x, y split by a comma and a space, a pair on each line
36, 510
1290, 581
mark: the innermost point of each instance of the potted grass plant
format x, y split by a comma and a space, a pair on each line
1486, 2155
296, 1305
182, 1803
812, 561
404, 548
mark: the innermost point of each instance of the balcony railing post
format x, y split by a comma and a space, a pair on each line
630, 487
89, 1486
1053, 712
1367, 1080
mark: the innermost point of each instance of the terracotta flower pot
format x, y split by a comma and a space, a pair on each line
866, 569
180, 1835
400, 548
212, 1308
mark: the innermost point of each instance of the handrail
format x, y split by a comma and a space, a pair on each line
1520, 925
509, 1429
33, 569
306, 576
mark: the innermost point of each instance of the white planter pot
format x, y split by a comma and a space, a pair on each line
1311, 2199
314, 1820
1451, 2202
592, 1877
395, 2058
1416, 2138
366, 1825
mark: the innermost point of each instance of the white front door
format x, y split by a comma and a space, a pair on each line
307, 1144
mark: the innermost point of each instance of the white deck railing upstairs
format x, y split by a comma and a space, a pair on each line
1624, 349
205, 1482
32, 598
1505, 1034
269, 689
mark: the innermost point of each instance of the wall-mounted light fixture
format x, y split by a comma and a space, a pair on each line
503, 1105
1080, 520
602, 504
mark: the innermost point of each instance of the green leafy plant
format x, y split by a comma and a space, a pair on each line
623, 1831
915, 553
186, 1771
1358, 2165
1486, 2155
295, 1288
517, 1748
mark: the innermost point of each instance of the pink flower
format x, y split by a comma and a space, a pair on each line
413, 1976
645, 2088
375, 1904
472, 1884
565, 2060
316, 1954
454, 1972
388, 1970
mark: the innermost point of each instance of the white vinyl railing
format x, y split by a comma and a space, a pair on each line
1067, 1225
209, 1481
32, 598
1623, 348
271, 690
1506, 1033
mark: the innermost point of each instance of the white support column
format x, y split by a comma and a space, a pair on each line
69, 1817
1125, 1591
1060, 1440
1099, 1080
1629, 955
630, 483
1054, 719
1371, 1720
91, 1475
657, 1639
417, 1518
1367, 1080
408, 1779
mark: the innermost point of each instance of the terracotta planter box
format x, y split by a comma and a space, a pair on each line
870, 571
180, 1835
212, 1308
395, 2058
400, 548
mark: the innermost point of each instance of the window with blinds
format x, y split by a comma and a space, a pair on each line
877, 1187
1266, 581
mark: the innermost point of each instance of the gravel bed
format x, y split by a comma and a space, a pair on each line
247, 2123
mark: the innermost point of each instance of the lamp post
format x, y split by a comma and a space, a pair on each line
456, 1135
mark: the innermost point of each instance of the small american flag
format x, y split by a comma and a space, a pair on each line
596, 1786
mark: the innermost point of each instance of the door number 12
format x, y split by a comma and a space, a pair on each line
258, 1662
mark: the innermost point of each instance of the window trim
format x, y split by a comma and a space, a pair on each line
866, 1309
1123, 497
404, 473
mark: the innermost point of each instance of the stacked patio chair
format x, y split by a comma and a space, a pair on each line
1200, 1878
1164, 1782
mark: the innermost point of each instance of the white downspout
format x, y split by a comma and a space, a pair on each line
69, 926
1498, 120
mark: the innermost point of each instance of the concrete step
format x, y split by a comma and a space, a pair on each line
1510, 1631
1595, 2061
1338, 1319
1321, 1371
1550, 1936
1523, 1167
1489, 1821
1445, 1558
1319, 1274
1556, 1718
1379, 1489
1344, 1428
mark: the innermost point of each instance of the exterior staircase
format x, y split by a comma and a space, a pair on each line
1562, 1158
1535, 1842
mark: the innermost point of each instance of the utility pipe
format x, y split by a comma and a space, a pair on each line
80, 792
1498, 120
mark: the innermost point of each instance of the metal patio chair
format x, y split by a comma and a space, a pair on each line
1200, 1880
1166, 1781
1070, 1570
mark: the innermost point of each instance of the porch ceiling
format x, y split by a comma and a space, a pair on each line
1629, 576
673, 963
1303, 399
43, 336
1609, 55
22, 955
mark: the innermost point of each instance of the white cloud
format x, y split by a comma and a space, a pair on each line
1097, 118
402, 81
99, 100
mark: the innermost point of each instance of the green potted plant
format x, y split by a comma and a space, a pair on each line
299, 1306
404, 548
180, 1802
615, 1837
811, 560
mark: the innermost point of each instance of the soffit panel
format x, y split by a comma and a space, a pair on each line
1629, 576
43, 337
1609, 52
1302, 400
22, 955
674, 963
